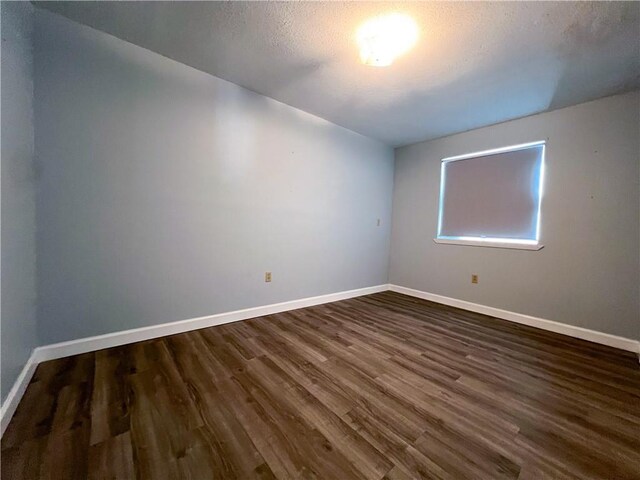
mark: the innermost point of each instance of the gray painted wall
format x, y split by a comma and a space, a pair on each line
18, 309
166, 193
589, 270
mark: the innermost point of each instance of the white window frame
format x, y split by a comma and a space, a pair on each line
482, 241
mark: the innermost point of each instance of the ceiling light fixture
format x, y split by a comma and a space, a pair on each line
384, 38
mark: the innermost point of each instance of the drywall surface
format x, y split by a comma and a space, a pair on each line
166, 193
18, 311
589, 270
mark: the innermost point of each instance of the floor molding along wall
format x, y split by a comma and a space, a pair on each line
573, 331
90, 344
17, 391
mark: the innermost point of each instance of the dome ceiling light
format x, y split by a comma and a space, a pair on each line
384, 38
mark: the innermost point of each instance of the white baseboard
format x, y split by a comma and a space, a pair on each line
90, 344
17, 391
573, 331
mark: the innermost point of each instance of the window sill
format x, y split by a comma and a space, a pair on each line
490, 243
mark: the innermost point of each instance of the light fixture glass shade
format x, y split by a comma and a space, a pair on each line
384, 38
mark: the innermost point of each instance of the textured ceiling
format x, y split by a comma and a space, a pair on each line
475, 64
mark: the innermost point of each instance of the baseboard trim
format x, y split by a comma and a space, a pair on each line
99, 342
10, 404
90, 344
578, 332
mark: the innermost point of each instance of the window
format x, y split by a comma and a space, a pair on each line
492, 198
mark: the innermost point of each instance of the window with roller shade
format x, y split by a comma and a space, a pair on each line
493, 198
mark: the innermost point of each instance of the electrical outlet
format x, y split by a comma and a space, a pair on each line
474, 278
267, 276
379, 223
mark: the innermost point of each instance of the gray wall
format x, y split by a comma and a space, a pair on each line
166, 193
18, 309
589, 270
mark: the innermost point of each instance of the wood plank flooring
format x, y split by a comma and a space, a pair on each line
378, 387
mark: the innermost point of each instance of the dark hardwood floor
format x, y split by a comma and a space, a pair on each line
383, 386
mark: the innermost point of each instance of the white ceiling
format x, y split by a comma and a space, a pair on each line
476, 63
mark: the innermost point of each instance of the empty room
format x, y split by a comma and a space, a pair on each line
320, 240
